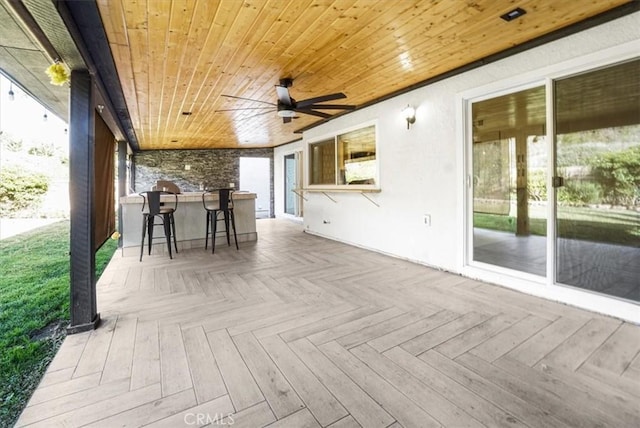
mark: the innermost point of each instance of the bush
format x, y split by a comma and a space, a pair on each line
13, 145
43, 149
20, 190
619, 175
576, 192
537, 185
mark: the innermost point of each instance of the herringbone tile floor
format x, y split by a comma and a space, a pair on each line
299, 331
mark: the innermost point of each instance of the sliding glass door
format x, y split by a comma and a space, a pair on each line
594, 229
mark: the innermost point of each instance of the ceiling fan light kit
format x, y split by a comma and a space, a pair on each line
286, 113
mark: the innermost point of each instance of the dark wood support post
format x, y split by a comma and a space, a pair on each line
84, 315
122, 183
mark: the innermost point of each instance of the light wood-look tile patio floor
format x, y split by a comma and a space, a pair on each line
299, 331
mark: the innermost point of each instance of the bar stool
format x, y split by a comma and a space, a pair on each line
153, 208
224, 206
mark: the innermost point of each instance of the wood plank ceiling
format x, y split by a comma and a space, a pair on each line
183, 55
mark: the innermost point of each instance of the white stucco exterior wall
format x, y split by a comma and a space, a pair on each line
422, 170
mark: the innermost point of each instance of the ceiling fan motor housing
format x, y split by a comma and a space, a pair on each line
286, 82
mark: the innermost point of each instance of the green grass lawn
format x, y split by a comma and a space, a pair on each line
584, 223
34, 299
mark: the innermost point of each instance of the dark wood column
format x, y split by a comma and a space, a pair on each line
84, 315
122, 183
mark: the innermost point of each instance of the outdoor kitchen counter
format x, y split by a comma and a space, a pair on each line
190, 221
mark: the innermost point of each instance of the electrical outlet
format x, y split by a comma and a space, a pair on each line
187, 167
427, 220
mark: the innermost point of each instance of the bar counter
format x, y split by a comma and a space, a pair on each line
190, 218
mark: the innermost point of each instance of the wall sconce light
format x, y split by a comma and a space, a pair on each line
12, 95
409, 113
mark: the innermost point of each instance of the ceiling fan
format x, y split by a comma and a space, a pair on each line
287, 107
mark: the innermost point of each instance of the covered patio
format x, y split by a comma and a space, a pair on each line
299, 331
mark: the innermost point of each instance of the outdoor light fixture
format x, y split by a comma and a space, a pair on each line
409, 113
12, 96
44, 116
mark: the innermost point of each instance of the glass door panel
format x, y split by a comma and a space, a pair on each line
290, 175
597, 117
509, 181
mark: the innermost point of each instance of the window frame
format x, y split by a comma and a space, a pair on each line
375, 187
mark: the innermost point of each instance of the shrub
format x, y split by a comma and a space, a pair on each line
576, 192
619, 175
13, 145
43, 149
20, 189
537, 185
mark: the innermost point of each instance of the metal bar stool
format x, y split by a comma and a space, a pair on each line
225, 207
152, 208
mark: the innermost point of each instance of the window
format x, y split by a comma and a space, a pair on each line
323, 162
346, 159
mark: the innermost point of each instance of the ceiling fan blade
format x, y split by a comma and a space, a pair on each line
321, 99
328, 107
283, 95
247, 99
246, 108
314, 113
260, 114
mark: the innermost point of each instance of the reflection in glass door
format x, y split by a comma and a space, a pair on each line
509, 158
597, 126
